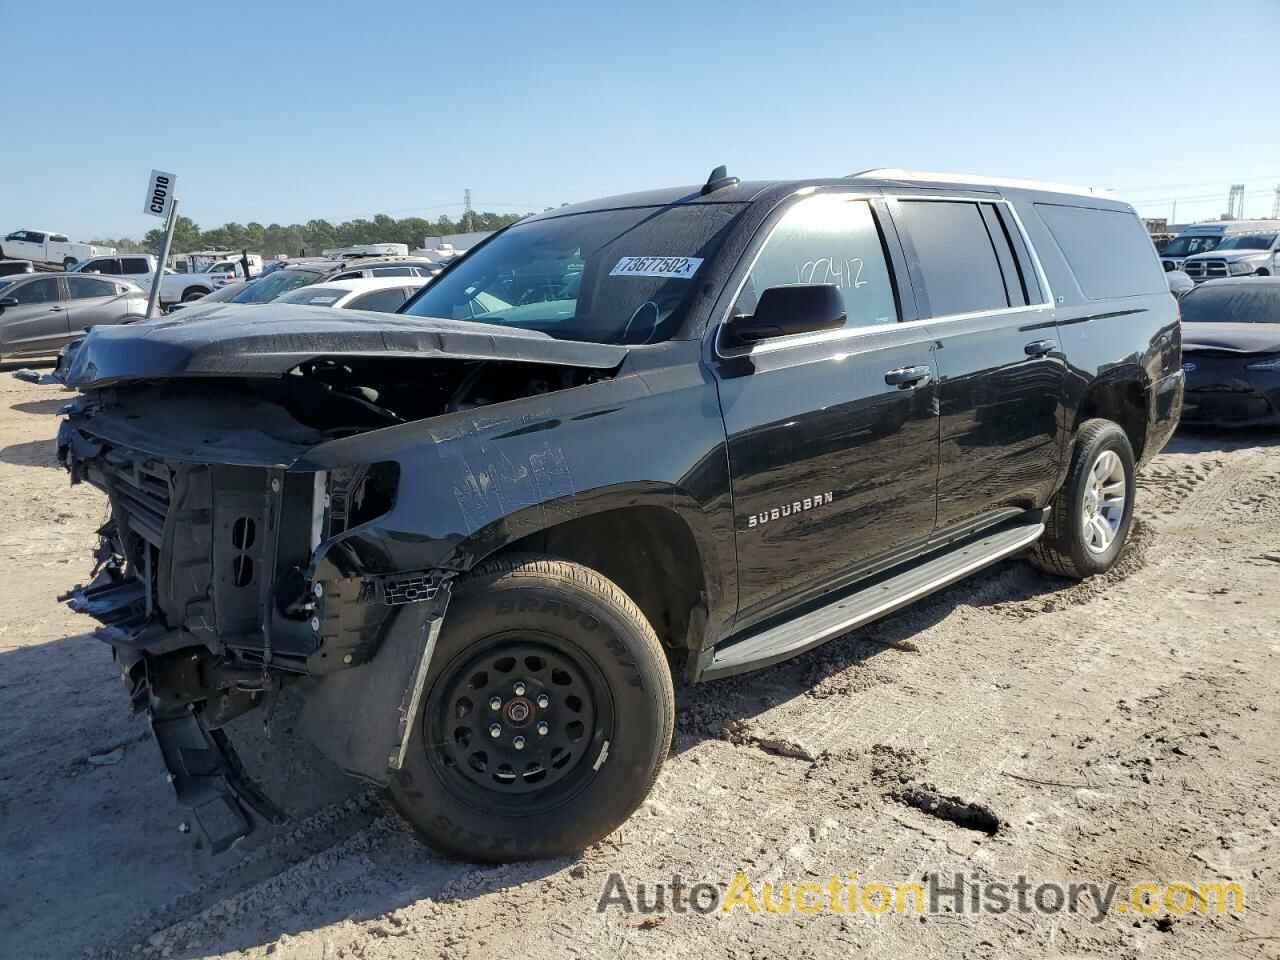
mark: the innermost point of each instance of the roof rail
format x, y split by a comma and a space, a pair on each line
894, 173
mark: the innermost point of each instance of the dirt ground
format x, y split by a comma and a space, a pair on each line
1121, 729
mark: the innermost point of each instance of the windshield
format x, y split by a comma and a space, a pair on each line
1248, 241
267, 288
316, 296
1236, 303
614, 276
1186, 246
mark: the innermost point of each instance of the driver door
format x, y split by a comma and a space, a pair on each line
832, 436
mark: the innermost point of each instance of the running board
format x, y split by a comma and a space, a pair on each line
869, 602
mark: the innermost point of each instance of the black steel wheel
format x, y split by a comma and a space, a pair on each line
547, 713
517, 723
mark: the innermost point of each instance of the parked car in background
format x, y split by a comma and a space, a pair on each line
199, 261
379, 294
302, 273
1179, 283
1231, 352
352, 268
1205, 238
41, 313
43, 246
221, 295
11, 267
174, 287
1240, 254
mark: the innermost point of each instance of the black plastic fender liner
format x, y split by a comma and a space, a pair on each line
209, 780
361, 718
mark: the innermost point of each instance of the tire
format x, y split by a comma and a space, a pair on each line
1068, 548
566, 632
68, 263
193, 293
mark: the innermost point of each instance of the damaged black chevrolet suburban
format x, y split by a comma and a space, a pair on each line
702, 429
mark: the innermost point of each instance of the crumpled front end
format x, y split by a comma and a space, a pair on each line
211, 586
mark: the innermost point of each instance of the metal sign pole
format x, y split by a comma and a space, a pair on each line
163, 260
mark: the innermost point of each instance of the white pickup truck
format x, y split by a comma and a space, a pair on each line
44, 246
174, 287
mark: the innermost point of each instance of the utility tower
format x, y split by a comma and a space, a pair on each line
1235, 202
1275, 207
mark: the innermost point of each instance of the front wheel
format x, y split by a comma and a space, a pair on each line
1092, 513
68, 263
548, 713
193, 293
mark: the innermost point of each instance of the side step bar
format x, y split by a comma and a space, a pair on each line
868, 602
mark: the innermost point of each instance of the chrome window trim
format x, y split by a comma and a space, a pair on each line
845, 333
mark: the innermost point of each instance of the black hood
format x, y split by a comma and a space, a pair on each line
1231, 337
270, 339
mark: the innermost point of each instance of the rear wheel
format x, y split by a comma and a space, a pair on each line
547, 715
68, 263
1092, 513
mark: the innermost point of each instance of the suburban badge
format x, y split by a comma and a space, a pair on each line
787, 509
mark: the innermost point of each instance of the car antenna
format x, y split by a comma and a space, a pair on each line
719, 179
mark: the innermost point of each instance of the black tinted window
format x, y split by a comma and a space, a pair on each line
1232, 303
957, 257
81, 288
106, 265
136, 265
392, 271
37, 291
382, 301
1109, 251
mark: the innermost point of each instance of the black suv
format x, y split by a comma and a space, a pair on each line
701, 429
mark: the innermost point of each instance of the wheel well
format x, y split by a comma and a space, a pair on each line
648, 552
203, 291
1123, 403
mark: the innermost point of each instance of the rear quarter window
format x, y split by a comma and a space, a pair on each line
1109, 251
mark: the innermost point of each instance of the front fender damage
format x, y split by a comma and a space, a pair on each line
301, 531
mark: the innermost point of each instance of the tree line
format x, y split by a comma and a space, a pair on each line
311, 237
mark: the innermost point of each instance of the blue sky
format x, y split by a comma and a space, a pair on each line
282, 112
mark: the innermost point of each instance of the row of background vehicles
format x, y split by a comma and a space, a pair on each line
1227, 278
41, 313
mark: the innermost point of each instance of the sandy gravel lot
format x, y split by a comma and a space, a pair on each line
1122, 729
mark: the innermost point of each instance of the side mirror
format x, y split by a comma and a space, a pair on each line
7, 302
787, 310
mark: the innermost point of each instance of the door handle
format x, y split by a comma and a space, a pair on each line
1039, 348
905, 377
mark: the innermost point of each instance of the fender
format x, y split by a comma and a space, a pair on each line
476, 481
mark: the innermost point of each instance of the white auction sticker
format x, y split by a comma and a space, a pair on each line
675, 268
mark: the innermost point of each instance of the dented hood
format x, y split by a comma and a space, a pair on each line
270, 339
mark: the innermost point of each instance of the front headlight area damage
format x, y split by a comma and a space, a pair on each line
216, 584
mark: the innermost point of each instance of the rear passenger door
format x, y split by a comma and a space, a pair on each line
1000, 364
833, 436
92, 301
